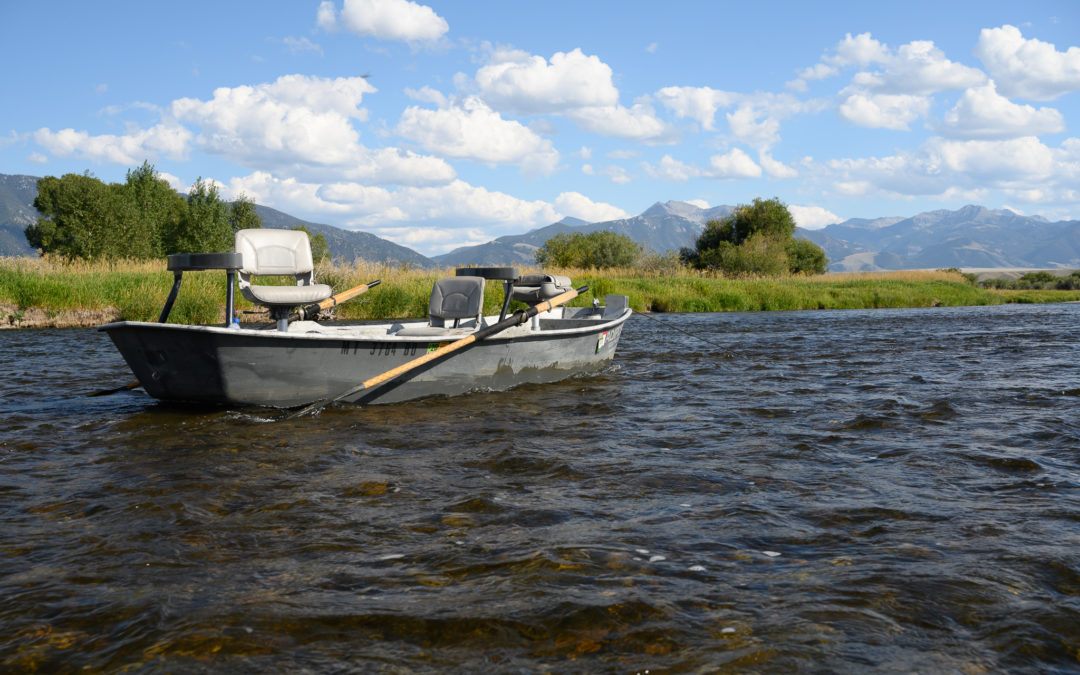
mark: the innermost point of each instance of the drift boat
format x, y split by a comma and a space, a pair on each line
299, 361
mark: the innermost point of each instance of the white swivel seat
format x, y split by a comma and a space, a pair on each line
268, 252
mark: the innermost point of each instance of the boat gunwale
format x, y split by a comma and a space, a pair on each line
511, 334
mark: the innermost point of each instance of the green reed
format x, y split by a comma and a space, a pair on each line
138, 289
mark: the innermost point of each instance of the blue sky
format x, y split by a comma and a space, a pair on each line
443, 124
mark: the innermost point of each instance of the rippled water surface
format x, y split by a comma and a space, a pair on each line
828, 491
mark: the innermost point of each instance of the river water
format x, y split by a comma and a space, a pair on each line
833, 491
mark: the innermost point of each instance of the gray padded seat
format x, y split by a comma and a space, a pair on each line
536, 288
268, 252
453, 300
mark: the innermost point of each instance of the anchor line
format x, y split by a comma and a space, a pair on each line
668, 325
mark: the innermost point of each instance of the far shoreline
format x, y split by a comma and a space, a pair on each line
52, 293
36, 318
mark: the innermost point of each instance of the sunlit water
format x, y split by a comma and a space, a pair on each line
825, 491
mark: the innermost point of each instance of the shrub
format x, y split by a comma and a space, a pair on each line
594, 250
805, 257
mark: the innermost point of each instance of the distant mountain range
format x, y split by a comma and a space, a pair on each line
347, 245
972, 236
663, 227
17, 211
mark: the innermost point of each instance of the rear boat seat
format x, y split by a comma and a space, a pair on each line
453, 299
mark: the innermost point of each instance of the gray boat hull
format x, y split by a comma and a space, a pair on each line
313, 362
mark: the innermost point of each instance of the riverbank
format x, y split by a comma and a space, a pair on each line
49, 293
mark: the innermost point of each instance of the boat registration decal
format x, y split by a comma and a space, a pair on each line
600, 342
381, 348
436, 346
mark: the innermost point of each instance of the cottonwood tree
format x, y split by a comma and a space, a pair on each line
83, 217
755, 239
79, 217
158, 210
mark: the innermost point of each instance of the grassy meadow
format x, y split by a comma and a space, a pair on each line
137, 290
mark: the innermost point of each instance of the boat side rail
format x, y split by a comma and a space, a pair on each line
179, 263
507, 275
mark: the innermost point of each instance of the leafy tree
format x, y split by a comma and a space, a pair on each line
205, 226
755, 239
82, 217
320, 250
78, 212
598, 250
242, 214
158, 210
769, 217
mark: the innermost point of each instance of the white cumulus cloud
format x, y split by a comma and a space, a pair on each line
813, 217
294, 119
673, 170
170, 140
638, 123
394, 166
732, 165
919, 68
894, 86
861, 51
1026, 68
432, 219
472, 130
984, 113
1023, 168
529, 84
697, 103
399, 20
882, 111
578, 205
754, 127
774, 167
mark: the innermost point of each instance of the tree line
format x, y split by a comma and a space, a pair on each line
143, 217
754, 239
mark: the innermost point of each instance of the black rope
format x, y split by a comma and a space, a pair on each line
668, 325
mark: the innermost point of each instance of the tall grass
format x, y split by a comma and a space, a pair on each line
137, 290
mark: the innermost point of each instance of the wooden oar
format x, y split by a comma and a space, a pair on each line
518, 317
333, 301
310, 310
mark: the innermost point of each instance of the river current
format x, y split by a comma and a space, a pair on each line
830, 491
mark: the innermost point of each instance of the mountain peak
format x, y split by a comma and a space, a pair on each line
657, 209
675, 208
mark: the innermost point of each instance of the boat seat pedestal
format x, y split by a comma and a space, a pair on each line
194, 262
